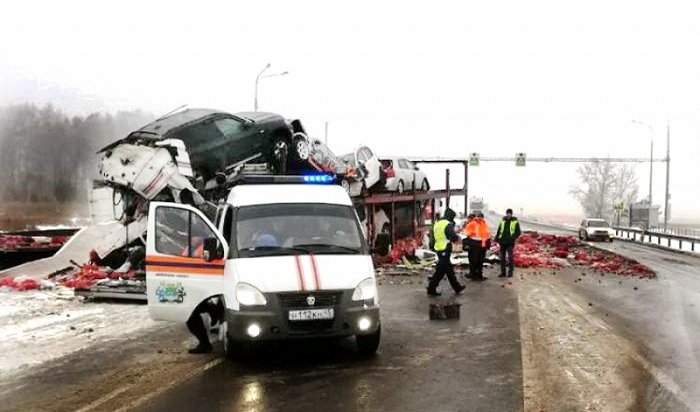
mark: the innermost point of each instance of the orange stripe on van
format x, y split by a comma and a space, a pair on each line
183, 269
183, 259
180, 264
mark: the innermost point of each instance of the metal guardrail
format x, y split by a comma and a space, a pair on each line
662, 239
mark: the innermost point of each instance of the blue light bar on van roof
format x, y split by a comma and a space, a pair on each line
316, 178
319, 178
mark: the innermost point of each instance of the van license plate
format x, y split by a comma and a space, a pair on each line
311, 314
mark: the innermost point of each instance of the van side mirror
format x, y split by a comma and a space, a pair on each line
211, 249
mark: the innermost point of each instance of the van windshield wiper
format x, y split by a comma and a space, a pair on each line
330, 247
274, 250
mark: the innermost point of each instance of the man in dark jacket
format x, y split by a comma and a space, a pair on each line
443, 234
506, 235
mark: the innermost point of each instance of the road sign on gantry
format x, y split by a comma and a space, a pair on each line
473, 159
520, 159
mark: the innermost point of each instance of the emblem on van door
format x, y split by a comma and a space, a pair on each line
311, 300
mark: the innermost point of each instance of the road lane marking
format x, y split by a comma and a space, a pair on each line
139, 401
105, 398
191, 374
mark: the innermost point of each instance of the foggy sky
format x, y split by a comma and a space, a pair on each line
549, 78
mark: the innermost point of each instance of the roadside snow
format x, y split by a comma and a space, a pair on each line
40, 326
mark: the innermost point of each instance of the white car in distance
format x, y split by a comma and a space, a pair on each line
402, 174
595, 229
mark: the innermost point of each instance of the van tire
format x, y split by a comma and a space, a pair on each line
367, 344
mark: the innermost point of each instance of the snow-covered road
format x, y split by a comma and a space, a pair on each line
40, 326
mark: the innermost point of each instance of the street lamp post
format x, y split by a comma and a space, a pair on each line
651, 168
257, 80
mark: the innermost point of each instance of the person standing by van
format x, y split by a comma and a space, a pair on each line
506, 235
443, 235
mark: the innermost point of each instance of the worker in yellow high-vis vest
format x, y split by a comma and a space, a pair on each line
442, 236
506, 236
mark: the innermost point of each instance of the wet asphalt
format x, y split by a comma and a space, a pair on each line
660, 315
469, 364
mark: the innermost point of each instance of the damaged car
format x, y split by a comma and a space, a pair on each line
367, 168
217, 142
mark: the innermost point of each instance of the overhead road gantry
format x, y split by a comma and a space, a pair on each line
538, 159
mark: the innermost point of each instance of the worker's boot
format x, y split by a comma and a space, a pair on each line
433, 292
203, 347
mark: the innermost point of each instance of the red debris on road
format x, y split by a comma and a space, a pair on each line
21, 285
10, 243
404, 247
88, 275
546, 251
84, 277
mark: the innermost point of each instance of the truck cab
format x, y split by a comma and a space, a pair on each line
286, 255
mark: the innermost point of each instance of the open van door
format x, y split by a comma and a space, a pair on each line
185, 257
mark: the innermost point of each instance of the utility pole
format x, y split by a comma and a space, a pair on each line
651, 176
651, 169
257, 80
326, 134
466, 189
668, 169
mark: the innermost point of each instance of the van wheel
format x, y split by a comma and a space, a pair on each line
368, 344
399, 188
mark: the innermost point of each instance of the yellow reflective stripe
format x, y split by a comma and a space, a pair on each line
513, 225
441, 240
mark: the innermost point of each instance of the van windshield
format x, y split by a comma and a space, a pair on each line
297, 228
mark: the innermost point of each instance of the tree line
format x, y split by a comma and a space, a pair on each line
48, 156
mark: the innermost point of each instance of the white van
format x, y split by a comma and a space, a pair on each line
288, 258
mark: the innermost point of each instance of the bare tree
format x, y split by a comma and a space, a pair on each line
603, 185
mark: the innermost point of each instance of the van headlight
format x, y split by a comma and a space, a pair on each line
248, 295
366, 290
